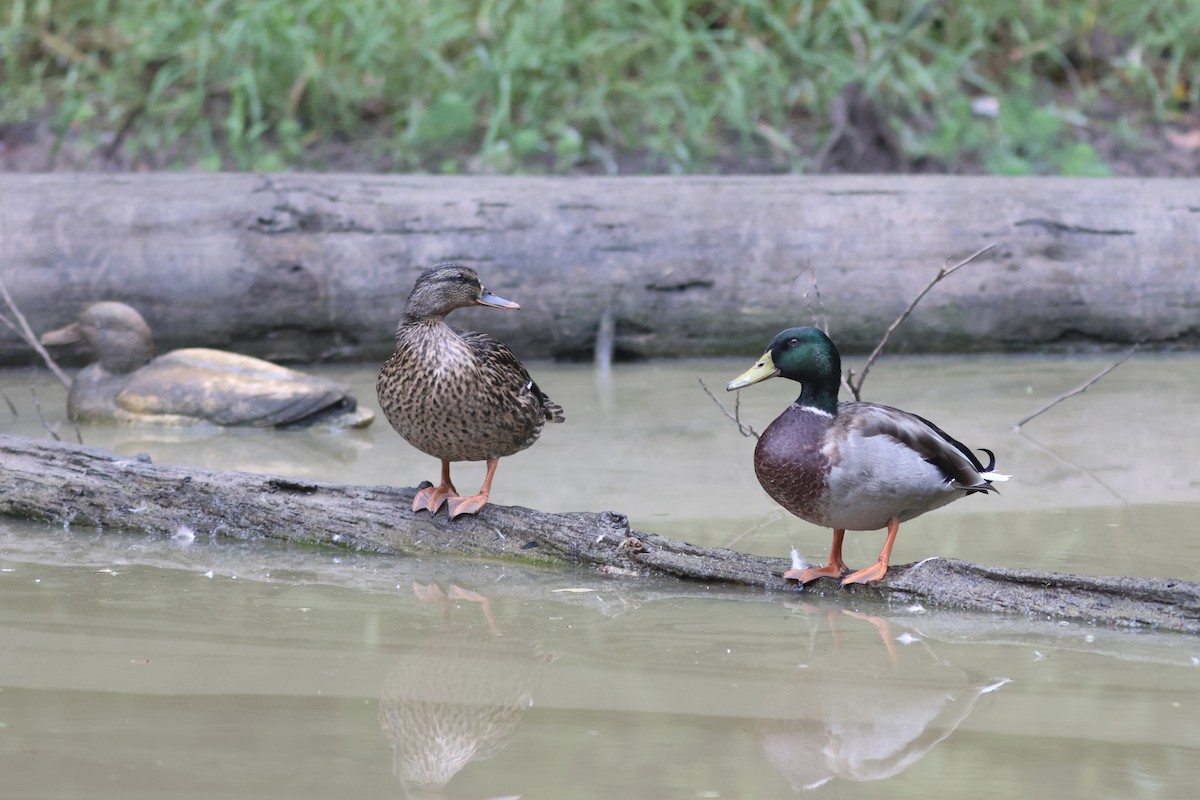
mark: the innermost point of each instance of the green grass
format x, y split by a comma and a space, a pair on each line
555, 86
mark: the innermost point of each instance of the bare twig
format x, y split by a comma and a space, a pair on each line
1078, 468
820, 316
942, 274
848, 384
848, 380
772, 517
1080, 389
38, 405
821, 319
22, 329
744, 429
12, 407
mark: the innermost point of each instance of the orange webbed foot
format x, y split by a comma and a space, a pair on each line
834, 568
810, 575
869, 575
431, 498
457, 506
877, 570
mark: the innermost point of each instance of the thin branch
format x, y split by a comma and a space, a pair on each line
848, 384
12, 407
1077, 467
1080, 389
22, 329
820, 320
942, 274
772, 517
38, 405
744, 429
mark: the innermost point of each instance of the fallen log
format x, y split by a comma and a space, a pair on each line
67, 484
304, 268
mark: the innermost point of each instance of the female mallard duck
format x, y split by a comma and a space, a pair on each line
852, 466
458, 396
191, 386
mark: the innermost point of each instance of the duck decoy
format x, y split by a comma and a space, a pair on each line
458, 396
195, 385
852, 466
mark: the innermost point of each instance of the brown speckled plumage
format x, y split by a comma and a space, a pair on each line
458, 396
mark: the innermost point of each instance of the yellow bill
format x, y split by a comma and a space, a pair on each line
763, 369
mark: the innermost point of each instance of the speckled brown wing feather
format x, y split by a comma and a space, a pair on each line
506, 375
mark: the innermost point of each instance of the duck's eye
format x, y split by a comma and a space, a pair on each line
793, 342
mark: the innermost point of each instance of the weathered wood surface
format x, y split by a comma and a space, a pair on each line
312, 267
70, 484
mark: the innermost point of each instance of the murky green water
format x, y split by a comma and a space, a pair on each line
136, 667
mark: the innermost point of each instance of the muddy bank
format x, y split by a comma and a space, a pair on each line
317, 267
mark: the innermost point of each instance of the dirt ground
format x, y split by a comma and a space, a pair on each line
859, 141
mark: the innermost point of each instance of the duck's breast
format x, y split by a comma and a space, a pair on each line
461, 399
791, 464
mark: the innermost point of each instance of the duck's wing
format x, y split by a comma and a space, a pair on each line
958, 465
504, 371
229, 389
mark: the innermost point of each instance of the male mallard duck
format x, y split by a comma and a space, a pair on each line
458, 396
852, 466
190, 386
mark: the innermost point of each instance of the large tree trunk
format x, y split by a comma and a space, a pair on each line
70, 484
310, 267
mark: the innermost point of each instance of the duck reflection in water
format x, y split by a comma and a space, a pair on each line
867, 719
458, 696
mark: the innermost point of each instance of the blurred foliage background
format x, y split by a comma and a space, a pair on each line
1077, 87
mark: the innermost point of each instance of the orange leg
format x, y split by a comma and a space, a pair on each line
879, 568
836, 568
472, 504
431, 497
